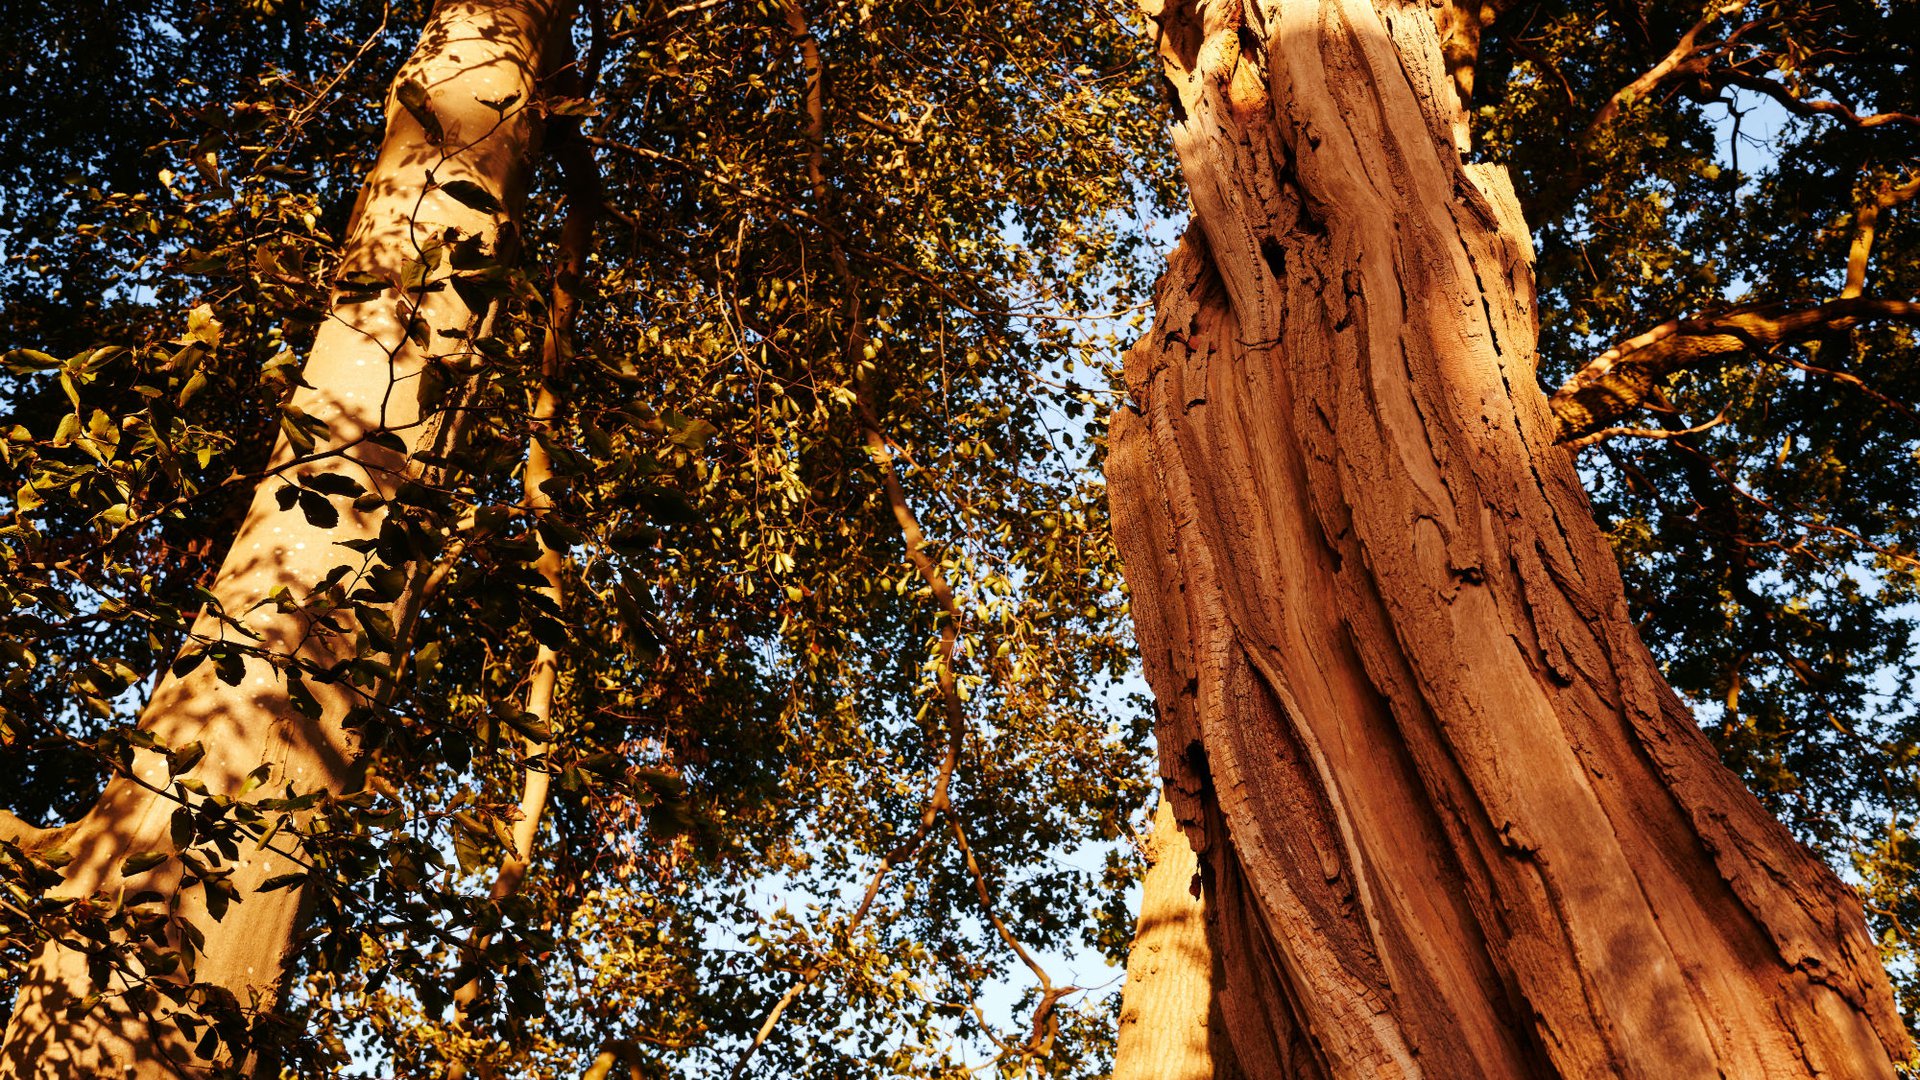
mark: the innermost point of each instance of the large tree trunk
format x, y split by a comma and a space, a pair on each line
362, 382
1452, 820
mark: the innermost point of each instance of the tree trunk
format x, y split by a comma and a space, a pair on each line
1453, 822
362, 372
1169, 1015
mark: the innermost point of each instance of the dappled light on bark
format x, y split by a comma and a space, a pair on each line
460, 112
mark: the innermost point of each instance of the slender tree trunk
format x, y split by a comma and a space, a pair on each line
362, 376
581, 177
1169, 1016
1452, 821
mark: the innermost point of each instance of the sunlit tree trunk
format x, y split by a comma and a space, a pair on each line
1169, 1022
1452, 821
460, 111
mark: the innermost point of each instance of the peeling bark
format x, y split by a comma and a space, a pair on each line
362, 374
1452, 820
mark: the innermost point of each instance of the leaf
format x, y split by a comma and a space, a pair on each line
142, 862
388, 440
287, 496
693, 435
231, 667
194, 385
387, 582
433, 385
219, 895
360, 285
185, 758
22, 361
472, 195
319, 512
413, 97
334, 483
180, 828
380, 630
550, 632
202, 326
255, 778
302, 699
283, 881
528, 724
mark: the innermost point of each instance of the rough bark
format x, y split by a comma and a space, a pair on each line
1452, 820
363, 381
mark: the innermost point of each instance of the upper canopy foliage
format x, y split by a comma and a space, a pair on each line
751, 725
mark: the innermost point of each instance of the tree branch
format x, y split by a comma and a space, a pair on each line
1886, 196
1799, 106
1685, 58
1617, 381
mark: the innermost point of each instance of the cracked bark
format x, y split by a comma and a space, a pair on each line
363, 373
1452, 821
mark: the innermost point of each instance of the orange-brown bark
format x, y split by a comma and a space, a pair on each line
363, 380
1453, 822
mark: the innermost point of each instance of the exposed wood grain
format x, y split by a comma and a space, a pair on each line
1453, 821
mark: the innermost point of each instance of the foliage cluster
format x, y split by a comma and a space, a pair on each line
839, 243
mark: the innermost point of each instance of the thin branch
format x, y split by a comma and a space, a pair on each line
1685, 58
882, 451
1799, 106
581, 176
1645, 433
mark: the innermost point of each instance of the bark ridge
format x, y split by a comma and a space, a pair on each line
1453, 821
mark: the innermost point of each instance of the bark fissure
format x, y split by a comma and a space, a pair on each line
1455, 823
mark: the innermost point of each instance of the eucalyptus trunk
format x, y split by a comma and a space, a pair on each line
1169, 1015
1450, 819
461, 128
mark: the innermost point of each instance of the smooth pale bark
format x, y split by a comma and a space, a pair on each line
1169, 1028
1453, 822
362, 372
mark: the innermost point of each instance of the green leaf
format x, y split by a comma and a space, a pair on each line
255, 778
302, 699
181, 828
319, 512
387, 582
388, 440
527, 724
185, 758
283, 881
142, 862
194, 385
231, 667
22, 361
334, 483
